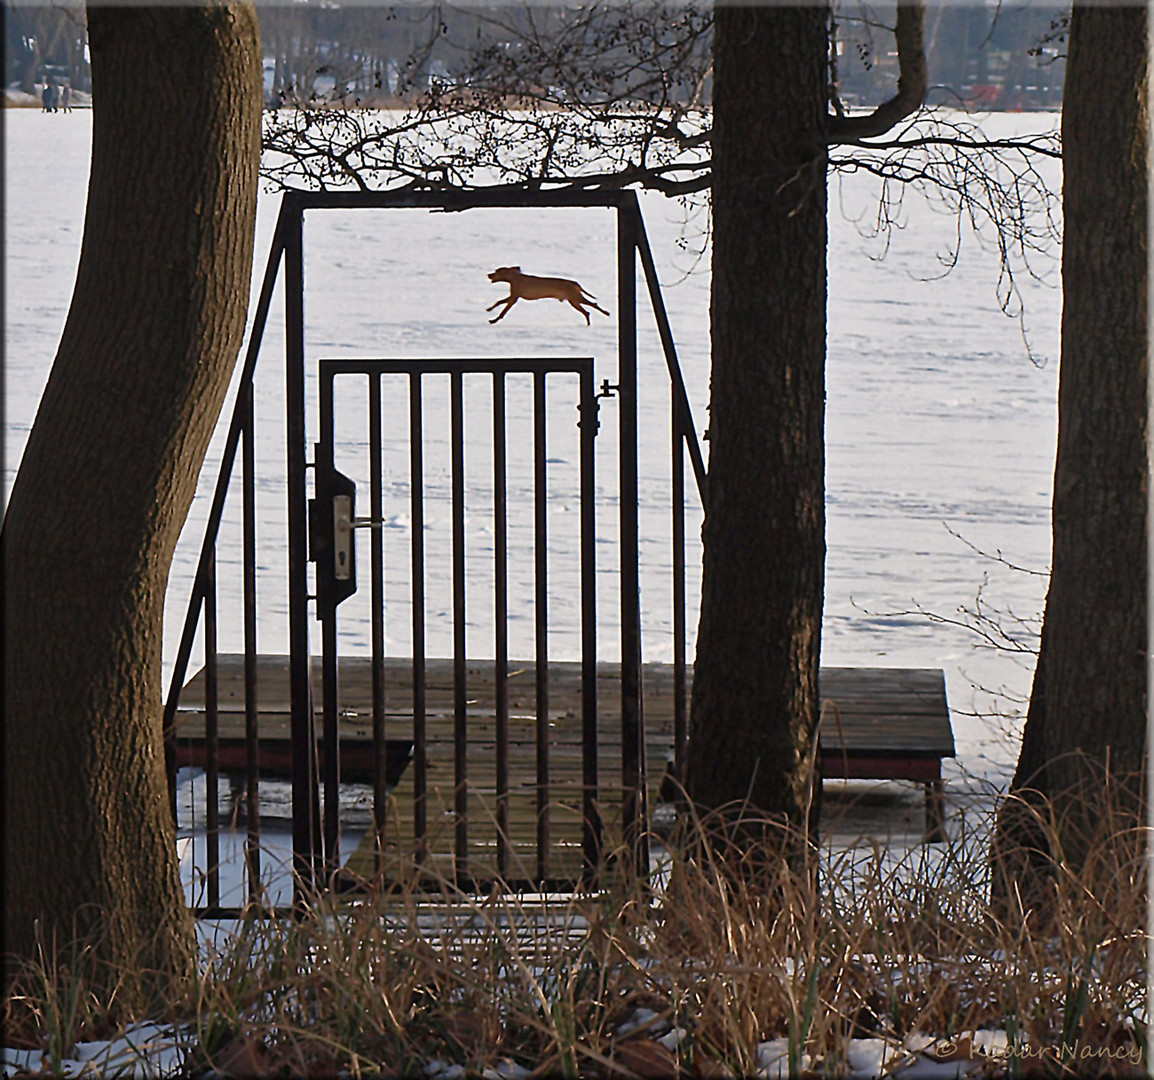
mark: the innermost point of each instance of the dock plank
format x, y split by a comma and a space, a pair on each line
882, 710
884, 722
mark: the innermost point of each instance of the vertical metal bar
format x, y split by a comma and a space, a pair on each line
541, 611
460, 729
300, 675
417, 497
251, 715
192, 616
376, 513
501, 628
317, 843
591, 820
330, 689
632, 729
680, 698
688, 431
330, 762
211, 739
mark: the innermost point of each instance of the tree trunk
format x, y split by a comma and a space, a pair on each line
110, 468
28, 69
1088, 708
755, 695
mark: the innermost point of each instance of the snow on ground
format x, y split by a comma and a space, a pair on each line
151, 1051
144, 1050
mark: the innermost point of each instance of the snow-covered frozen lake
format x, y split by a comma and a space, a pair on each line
940, 428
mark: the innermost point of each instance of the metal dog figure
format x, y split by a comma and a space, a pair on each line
527, 287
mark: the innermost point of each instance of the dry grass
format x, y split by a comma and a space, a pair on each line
834, 948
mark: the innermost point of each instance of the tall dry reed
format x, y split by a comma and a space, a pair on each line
689, 972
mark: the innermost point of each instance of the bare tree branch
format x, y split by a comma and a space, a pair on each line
912, 82
613, 96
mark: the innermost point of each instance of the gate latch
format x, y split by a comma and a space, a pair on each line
343, 525
332, 518
608, 389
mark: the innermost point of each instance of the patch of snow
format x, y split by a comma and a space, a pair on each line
18, 99
506, 1070
924, 1068
869, 1057
13, 1062
441, 1070
672, 1039
146, 1051
991, 1043
641, 1018
773, 1059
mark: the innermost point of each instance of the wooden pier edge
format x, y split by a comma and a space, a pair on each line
877, 723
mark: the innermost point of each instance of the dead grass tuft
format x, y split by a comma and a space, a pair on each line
731, 948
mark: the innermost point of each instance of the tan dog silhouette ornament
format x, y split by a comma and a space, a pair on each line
527, 287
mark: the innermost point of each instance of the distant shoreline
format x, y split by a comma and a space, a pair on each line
17, 99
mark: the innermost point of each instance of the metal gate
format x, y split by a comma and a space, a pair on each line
269, 701
494, 817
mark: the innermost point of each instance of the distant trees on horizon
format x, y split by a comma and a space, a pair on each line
990, 57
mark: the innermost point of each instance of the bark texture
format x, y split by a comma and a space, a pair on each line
755, 692
110, 468
1088, 707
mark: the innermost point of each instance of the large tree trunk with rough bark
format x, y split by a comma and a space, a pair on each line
1088, 707
109, 472
755, 696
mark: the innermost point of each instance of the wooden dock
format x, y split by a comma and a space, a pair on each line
887, 723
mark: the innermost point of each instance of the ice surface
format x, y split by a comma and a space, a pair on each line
936, 415
940, 429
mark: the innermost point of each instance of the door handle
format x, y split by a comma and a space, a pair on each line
343, 525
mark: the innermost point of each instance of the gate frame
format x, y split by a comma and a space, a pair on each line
288, 245
330, 483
